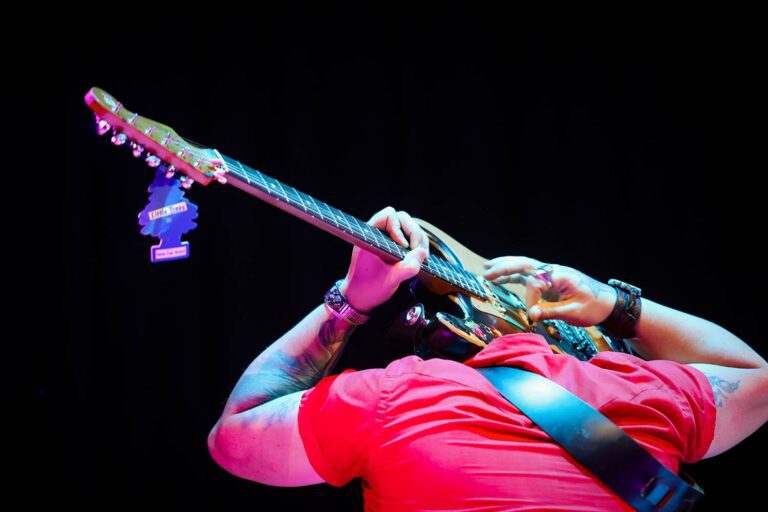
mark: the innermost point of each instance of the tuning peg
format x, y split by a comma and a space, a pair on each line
138, 149
186, 182
170, 172
118, 139
152, 160
220, 176
102, 127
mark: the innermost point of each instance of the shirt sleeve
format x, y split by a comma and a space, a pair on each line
337, 423
694, 402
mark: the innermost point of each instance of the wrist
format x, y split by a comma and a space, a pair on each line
355, 298
607, 300
341, 307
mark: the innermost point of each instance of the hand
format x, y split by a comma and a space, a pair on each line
371, 281
575, 297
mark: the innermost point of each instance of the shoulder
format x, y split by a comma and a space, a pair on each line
412, 370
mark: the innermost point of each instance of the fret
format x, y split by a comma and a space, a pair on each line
291, 193
459, 280
467, 284
437, 266
245, 172
341, 216
444, 268
311, 204
301, 201
332, 217
434, 266
285, 194
263, 181
397, 249
460, 276
393, 247
277, 191
355, 224
472, 280
365, 228
440, 268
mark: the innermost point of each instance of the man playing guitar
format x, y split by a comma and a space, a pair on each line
434, 435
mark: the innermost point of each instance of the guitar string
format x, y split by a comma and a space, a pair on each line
297, 200
451, 273
435, 261
460, 277
456, 272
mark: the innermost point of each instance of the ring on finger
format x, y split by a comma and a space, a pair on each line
544, 272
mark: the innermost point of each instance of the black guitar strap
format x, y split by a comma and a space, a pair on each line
595, 442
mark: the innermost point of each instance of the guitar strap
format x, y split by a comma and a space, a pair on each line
595, 442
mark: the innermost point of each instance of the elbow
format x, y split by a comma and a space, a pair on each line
215, 443
225, 445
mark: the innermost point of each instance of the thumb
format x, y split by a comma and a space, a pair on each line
558, 310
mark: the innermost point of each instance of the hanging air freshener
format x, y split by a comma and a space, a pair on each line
167, 216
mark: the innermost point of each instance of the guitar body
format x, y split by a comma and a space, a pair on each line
448, 324
454, 312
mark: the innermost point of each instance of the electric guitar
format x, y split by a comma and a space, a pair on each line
455, 313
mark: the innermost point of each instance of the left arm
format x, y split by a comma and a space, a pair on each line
257, 435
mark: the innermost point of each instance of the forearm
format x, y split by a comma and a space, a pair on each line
296, 361
665, 333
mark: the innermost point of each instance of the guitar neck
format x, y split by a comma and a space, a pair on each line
340, 224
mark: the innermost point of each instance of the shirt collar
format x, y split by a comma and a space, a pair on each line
505, 349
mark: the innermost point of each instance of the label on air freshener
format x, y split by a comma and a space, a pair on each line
171, 253
167, 211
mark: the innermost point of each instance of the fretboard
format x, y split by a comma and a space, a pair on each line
343, 225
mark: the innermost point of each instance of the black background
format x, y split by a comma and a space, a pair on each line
624, 151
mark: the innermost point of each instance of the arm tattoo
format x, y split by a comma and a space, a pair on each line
294, 363
279, 415
721, 387
595, 286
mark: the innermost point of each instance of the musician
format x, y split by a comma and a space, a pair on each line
435, 435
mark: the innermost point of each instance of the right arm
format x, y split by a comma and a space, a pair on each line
738, 375
665, 333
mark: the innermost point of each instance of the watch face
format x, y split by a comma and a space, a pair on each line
336, 299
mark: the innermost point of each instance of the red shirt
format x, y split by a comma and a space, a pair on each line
435, 435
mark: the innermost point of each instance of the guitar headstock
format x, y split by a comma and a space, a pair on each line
156, 143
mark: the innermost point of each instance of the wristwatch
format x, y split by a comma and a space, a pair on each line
626, 312
338, 304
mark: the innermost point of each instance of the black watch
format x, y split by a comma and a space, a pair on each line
626, 312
